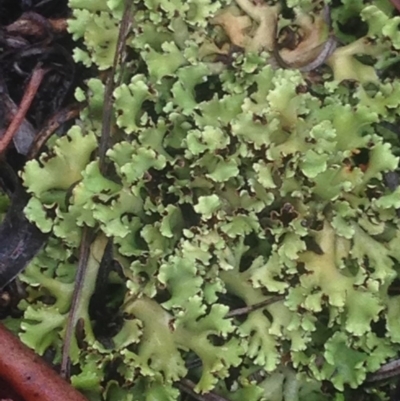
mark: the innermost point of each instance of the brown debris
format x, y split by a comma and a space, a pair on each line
31, 90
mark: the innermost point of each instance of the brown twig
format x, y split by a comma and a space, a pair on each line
88, 233
386, 371
244, 311
29, 375
25, 134
30, 93
126, 23
87, 236
51, 125
396, 4
188, 386
251, 308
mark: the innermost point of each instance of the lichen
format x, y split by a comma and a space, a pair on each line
232, 181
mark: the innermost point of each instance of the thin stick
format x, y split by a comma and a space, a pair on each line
386, 371
396, 4
51, 126
88, 233
251, 308
26, 133
188, 386
126, 24
243, 311
72, 318
29, 95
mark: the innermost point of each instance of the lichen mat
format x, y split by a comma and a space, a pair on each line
228, 180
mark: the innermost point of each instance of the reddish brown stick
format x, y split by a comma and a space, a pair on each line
396, 3
30, 93
29, 375
51, 125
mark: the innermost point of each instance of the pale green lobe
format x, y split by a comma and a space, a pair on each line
71, 154
207, 205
